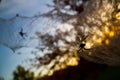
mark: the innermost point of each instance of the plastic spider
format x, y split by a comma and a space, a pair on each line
22, 34
82, 43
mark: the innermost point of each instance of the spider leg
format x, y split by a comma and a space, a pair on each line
80, 49
84, 38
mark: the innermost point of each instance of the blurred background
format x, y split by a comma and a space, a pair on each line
59, 40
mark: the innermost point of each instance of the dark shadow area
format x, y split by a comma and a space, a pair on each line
87, 70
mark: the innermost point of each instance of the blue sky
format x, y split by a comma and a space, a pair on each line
8, 9
8, 61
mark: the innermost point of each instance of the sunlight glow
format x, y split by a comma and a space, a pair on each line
72, 62
111, 34
99, 36
99, 40
106, 30
107, 41
117, 16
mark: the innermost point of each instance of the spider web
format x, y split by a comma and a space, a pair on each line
10, 31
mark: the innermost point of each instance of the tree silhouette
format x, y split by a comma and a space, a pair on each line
21, 74
1, 78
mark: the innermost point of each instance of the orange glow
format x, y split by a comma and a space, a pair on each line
99, 41
72, 62
106, 29
111, 34
107, 42
118, 16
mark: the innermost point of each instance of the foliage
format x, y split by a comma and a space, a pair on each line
100, 17
21, 74
1, 78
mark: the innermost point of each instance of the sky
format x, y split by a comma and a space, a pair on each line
9, 61
8, 9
